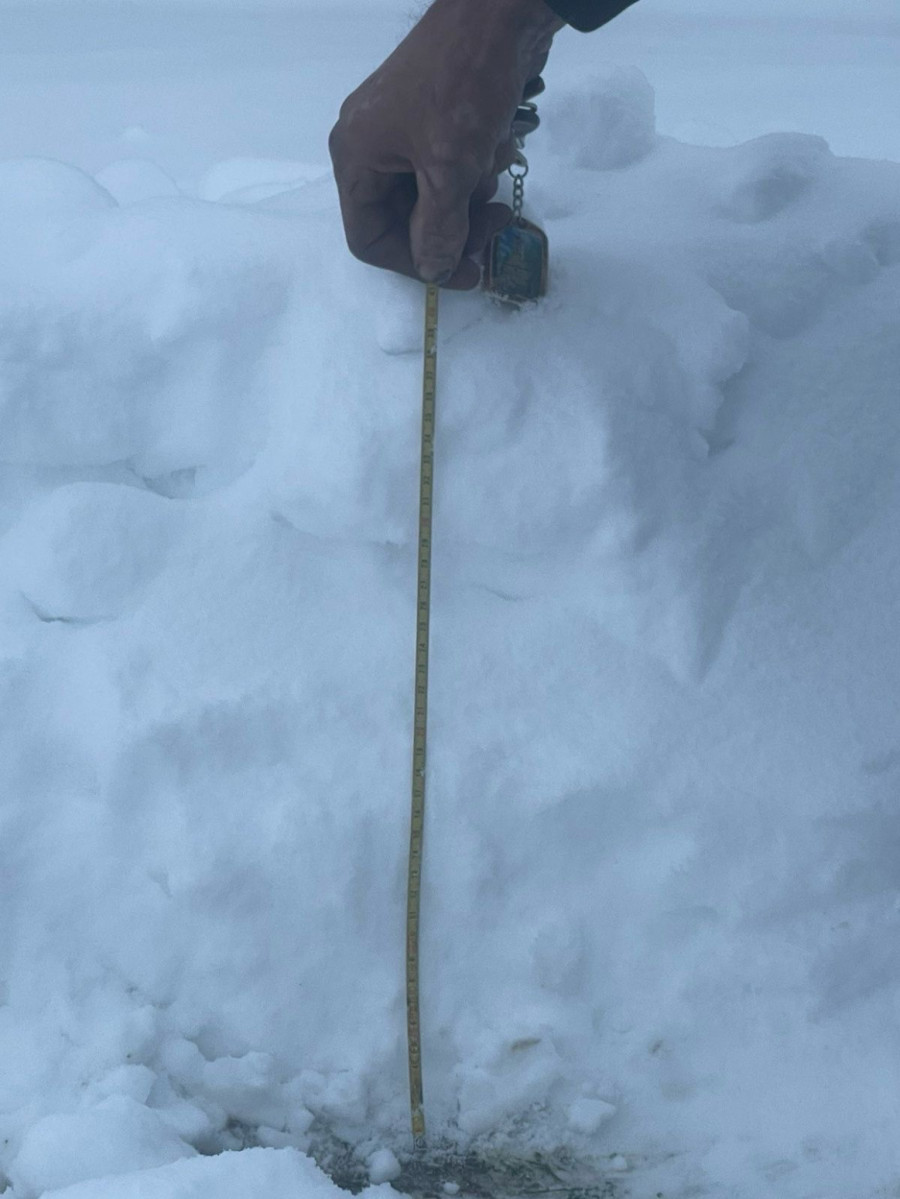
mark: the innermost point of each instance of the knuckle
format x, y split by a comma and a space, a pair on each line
453, 166
362, 247
455, 176
358, 246
337, 142
361, 254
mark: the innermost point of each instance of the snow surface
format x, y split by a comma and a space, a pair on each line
281, 1174
661, 909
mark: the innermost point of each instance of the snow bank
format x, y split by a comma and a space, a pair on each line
661, 915
277, 1174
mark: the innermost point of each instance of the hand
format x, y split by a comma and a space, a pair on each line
419, 146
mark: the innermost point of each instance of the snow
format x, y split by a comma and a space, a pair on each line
607, 122
133, 179
586, 1115
89, 550
660, 913
116, 1135
278, 1174
383, 1166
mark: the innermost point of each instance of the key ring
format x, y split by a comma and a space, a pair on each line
518, 169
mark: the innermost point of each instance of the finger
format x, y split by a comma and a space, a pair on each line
466, 276
372, 203
376, 208
439, 225
486, 190
505, 155
486, 222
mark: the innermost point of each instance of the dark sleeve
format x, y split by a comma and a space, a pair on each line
588, 14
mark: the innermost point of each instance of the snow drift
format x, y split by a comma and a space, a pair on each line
661, 909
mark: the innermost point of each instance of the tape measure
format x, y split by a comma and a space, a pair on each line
516, 273
420, 720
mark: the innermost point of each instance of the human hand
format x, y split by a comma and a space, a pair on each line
419, 146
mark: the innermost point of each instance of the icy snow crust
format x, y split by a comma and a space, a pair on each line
661, 908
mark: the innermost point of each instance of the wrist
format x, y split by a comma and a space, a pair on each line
524, 26
527, 17
507, 38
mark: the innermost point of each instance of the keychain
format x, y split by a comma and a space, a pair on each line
517, 260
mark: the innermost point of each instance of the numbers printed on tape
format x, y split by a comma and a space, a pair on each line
420, 721
516, 272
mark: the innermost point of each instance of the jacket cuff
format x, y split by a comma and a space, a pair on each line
587, 15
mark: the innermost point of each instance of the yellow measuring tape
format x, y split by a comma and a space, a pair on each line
420, 721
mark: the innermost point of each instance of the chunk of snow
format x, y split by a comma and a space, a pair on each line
383, 1166
117, 1136
587, 1115
134, 1081
770, 173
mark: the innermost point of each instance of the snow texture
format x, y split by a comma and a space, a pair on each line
277, 1174
661, 914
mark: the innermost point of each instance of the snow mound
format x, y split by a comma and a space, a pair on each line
136, 338
116, 1136
772, 172
281, 1174
606, 123
660, 894
132, 180
46, 188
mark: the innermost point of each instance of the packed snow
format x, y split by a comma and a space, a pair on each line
661, 911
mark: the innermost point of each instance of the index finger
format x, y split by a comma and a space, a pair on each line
376, 207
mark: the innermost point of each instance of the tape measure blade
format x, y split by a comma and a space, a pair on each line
420, 719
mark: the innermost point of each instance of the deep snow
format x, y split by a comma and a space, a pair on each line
661, 908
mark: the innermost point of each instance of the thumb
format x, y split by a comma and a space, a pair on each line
439, 225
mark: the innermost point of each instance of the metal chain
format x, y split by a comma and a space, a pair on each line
518, 170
